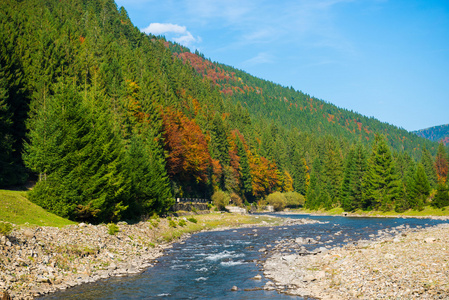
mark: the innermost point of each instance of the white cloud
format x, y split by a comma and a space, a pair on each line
162, 28
175, 32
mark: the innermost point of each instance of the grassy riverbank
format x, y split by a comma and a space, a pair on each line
428, 211
17, 209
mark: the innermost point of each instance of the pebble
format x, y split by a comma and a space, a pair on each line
45, 259
411, 265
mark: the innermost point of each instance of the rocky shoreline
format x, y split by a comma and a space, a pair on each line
34, 262
42, 260
400, 264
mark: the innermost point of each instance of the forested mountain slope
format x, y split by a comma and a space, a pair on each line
291, 108
114, 124
436, 133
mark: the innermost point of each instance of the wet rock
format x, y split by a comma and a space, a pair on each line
234, 288
257, 277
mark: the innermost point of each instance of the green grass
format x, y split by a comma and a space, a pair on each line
17, 209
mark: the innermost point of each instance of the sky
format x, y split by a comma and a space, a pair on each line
380, 58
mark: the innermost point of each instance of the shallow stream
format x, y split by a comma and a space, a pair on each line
209, 264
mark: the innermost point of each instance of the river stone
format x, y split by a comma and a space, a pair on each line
257, 277
234, 288
28, 233
390, 256
429, 240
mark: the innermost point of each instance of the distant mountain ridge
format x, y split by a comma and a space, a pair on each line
435, 133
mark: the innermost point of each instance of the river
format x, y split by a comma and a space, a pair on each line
209, 264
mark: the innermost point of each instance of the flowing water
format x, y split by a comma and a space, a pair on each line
208, 264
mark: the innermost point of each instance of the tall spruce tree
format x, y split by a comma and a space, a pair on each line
355, 168
381, 185
429, 166
78, 157
422, 187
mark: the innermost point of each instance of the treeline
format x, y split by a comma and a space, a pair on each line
378, 179
436, 133
112, 124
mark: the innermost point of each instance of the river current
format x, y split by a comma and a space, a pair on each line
209, 264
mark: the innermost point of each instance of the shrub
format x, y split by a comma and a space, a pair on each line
278, 201
294, 199
171, 223
220, 199
236, 200
113, 229
5, 228
182, 222
193, 220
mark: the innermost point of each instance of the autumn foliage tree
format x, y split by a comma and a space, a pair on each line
441, 164
188, 155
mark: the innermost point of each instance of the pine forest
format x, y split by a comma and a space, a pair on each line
114, 124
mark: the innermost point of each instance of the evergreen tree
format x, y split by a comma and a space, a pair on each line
315, 198
219, 140
150, 188
442, 196
244, 170
333, 172
381, 185
429, 166
355, 169
346, 203
422, 187
79, 160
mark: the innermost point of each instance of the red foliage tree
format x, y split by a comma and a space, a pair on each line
441, 164
188, 154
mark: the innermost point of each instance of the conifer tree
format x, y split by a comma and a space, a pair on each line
355, 169
442, 196
79, 159
381, 185
219, 141
422, 187
429, 166
314, 197
244, 170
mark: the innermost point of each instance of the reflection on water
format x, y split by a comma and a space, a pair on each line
208, 264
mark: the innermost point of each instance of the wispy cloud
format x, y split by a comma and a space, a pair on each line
261, 58
177, 33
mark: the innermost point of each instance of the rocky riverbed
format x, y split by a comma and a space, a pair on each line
42, 260
399, 264
37, 261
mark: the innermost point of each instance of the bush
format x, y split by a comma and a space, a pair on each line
182, 222
294, 199
193, 220
236, 200
220, 199
113, 229
171, 223
277, 200
5, 228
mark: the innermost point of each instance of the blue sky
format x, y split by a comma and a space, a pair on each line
386, 59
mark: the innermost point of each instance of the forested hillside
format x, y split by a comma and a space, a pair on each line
113, 123
436, 133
